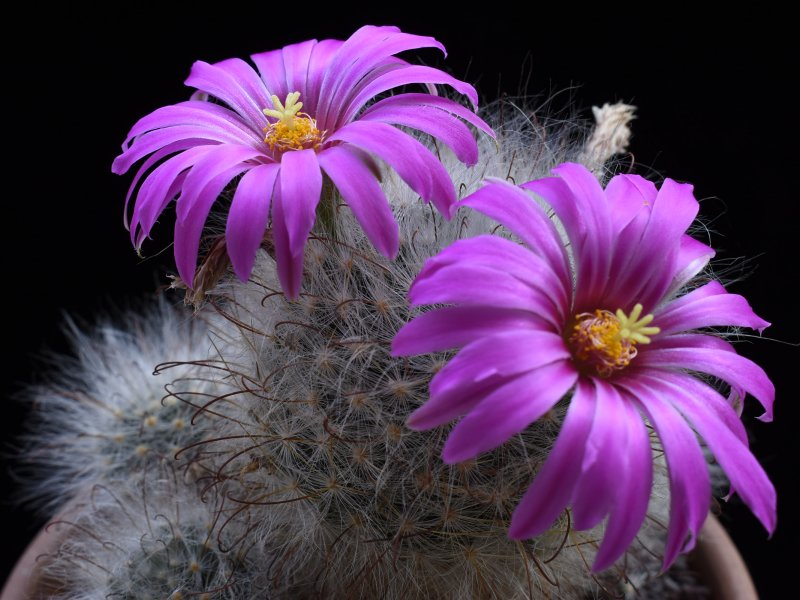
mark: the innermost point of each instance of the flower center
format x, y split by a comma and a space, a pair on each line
293, 130
607, 342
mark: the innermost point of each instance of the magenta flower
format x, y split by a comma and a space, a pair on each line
279, 129
602, 321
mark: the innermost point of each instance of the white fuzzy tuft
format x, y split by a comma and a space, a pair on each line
104, 415
152, 539
610, 136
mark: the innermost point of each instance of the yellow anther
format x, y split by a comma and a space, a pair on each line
607, 342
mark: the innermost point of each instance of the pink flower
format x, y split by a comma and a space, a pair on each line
606, 321
280, 129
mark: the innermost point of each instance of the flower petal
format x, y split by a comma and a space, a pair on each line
248, 216
318, 65
433, 121
364, 195
409, 100
415, 164
148, 164
189, 229
580, 203
692, 258
627, 194
301, 186
635, 483
367, 48
271, 69
690, 491
455, 284
236, 84
456, 326
290, 266
216, 160
713, 400
510, 354
708, 306
738, 371
603, 464
745, 474
650, 273
554, 484
397, 77
515, 210
507, 257
157, 190
508, 410
295, 65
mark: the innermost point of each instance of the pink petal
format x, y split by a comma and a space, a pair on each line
433, 121
493, 358
406, 75
157, 190
581, 205
708, 306
154, 141
362, 192
650, 273
602, 471
746, 475
217, 160
455, 284
690, 491
196, 113
148, 164
415, 164
713, 400
692, 258
739, 372
248, 216
295, 64
456, 326
515, 210
627, 195
318, 66
635, 483
273, 74
554, 484
290, 266
409, 100
189, 229
508, 410
506, 257
361, 52
301, 186
236, 84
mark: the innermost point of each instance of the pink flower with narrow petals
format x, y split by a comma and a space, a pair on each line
279, 129
604, 320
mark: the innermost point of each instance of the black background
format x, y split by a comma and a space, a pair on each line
715, 109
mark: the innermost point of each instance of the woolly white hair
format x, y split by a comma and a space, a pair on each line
150, 539
102, 416
296, 477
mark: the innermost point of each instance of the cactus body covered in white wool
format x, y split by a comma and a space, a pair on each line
277, 463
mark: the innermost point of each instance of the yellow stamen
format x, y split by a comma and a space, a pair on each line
606, 341
294, 130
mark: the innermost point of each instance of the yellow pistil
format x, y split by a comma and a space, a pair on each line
607, 342
294, 130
